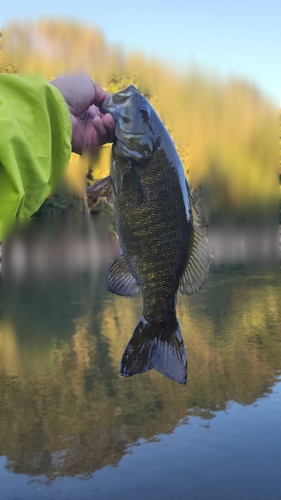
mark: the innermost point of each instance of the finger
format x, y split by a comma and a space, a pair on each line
100, 95
93, 111
109, 124
102, 136
78, 92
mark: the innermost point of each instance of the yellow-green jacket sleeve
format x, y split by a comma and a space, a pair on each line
35, 143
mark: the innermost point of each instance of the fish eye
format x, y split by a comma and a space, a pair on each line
144, 114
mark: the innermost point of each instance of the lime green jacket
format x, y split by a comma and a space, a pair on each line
35, 144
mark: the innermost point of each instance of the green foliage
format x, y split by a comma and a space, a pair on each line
226, 132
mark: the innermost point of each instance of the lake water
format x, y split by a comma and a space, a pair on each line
72, 428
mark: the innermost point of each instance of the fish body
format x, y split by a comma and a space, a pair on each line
162, 249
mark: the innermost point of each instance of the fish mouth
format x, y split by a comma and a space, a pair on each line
127, 136
129, 133
116, 102
123, 95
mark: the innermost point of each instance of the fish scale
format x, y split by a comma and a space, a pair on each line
162, 247
155, 236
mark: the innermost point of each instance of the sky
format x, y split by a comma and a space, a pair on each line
228, 38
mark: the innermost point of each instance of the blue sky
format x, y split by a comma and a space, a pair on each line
237, 38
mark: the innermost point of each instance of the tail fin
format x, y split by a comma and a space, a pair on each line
159, 347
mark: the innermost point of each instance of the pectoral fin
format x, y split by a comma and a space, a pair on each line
102, 188
120, 279
197, 268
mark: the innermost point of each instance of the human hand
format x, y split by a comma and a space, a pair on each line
90, 128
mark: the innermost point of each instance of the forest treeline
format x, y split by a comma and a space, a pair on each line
226, 131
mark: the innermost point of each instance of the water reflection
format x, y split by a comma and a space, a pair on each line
65, 410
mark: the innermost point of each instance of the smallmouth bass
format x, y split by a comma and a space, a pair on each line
162, 247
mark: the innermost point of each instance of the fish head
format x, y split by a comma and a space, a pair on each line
136, 124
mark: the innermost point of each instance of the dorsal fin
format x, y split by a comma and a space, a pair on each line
197, 268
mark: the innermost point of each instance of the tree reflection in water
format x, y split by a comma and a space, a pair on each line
65, 410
